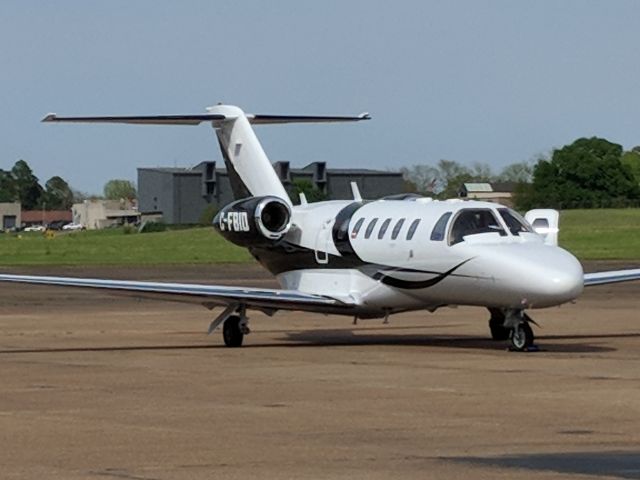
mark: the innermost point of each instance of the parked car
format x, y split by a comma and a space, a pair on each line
35, 228
73, 226
58, 225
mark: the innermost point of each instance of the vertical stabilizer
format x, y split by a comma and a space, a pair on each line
249, 168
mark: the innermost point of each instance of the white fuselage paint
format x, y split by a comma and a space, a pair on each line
508, 271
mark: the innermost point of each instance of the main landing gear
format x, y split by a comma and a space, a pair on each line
513, 325
235, 325
234, 330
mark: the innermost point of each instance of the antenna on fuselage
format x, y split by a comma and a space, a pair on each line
356, 192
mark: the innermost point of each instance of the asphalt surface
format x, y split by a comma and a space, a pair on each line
100, 387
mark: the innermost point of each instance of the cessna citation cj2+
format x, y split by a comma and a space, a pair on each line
364, 259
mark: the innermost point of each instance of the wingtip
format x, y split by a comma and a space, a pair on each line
49, 117
364, 116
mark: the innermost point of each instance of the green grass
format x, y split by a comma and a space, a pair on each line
114, 247
601, 234
589, 234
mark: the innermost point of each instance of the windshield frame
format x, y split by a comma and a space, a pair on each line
492, 211
528, 228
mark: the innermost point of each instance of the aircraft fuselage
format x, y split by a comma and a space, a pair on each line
394, 255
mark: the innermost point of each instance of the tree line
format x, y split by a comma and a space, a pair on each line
588, 173
445, 178
19, 184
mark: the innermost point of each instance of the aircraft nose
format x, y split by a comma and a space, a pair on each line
554, 276
567, 277
535, 276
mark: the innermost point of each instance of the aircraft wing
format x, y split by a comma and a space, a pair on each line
614, 276
207, 295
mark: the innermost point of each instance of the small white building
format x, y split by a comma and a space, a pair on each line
498, 192
97, 214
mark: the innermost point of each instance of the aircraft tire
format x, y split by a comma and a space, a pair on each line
232, 333
522, 337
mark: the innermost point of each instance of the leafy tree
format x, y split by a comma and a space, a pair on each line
632, 161
585, 174
421, 178
453, 175
450, 169
28, 190
118, 189
313, 193
445, 178
407, 185
482, 172
520, 172
8, 191
58, 195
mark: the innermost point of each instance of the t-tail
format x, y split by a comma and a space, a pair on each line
249, 168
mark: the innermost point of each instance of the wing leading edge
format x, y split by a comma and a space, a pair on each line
208, 295
614, 276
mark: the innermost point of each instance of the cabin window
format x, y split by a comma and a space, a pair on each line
514, 221
440, 227
397, 228
383, 228
412, 228
370, 227
356, 228
472, 222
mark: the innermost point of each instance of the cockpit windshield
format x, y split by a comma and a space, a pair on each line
514, 221
472, 221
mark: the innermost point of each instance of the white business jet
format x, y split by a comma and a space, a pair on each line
360, 258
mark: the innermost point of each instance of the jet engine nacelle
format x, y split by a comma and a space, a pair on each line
254, 221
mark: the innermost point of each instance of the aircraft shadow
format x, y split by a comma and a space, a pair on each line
358, 337
617, 464
113, 348
337, 338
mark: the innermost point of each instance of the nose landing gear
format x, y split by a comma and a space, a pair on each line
522, 337
513, 325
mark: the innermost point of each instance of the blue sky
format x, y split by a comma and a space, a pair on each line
472, 81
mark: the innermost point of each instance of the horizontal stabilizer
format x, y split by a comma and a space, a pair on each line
267, 119
141, 120
197, 119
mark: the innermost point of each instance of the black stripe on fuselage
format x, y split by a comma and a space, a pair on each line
415, 285
340, 231
286, 257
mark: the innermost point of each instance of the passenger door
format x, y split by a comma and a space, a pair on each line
545, 222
